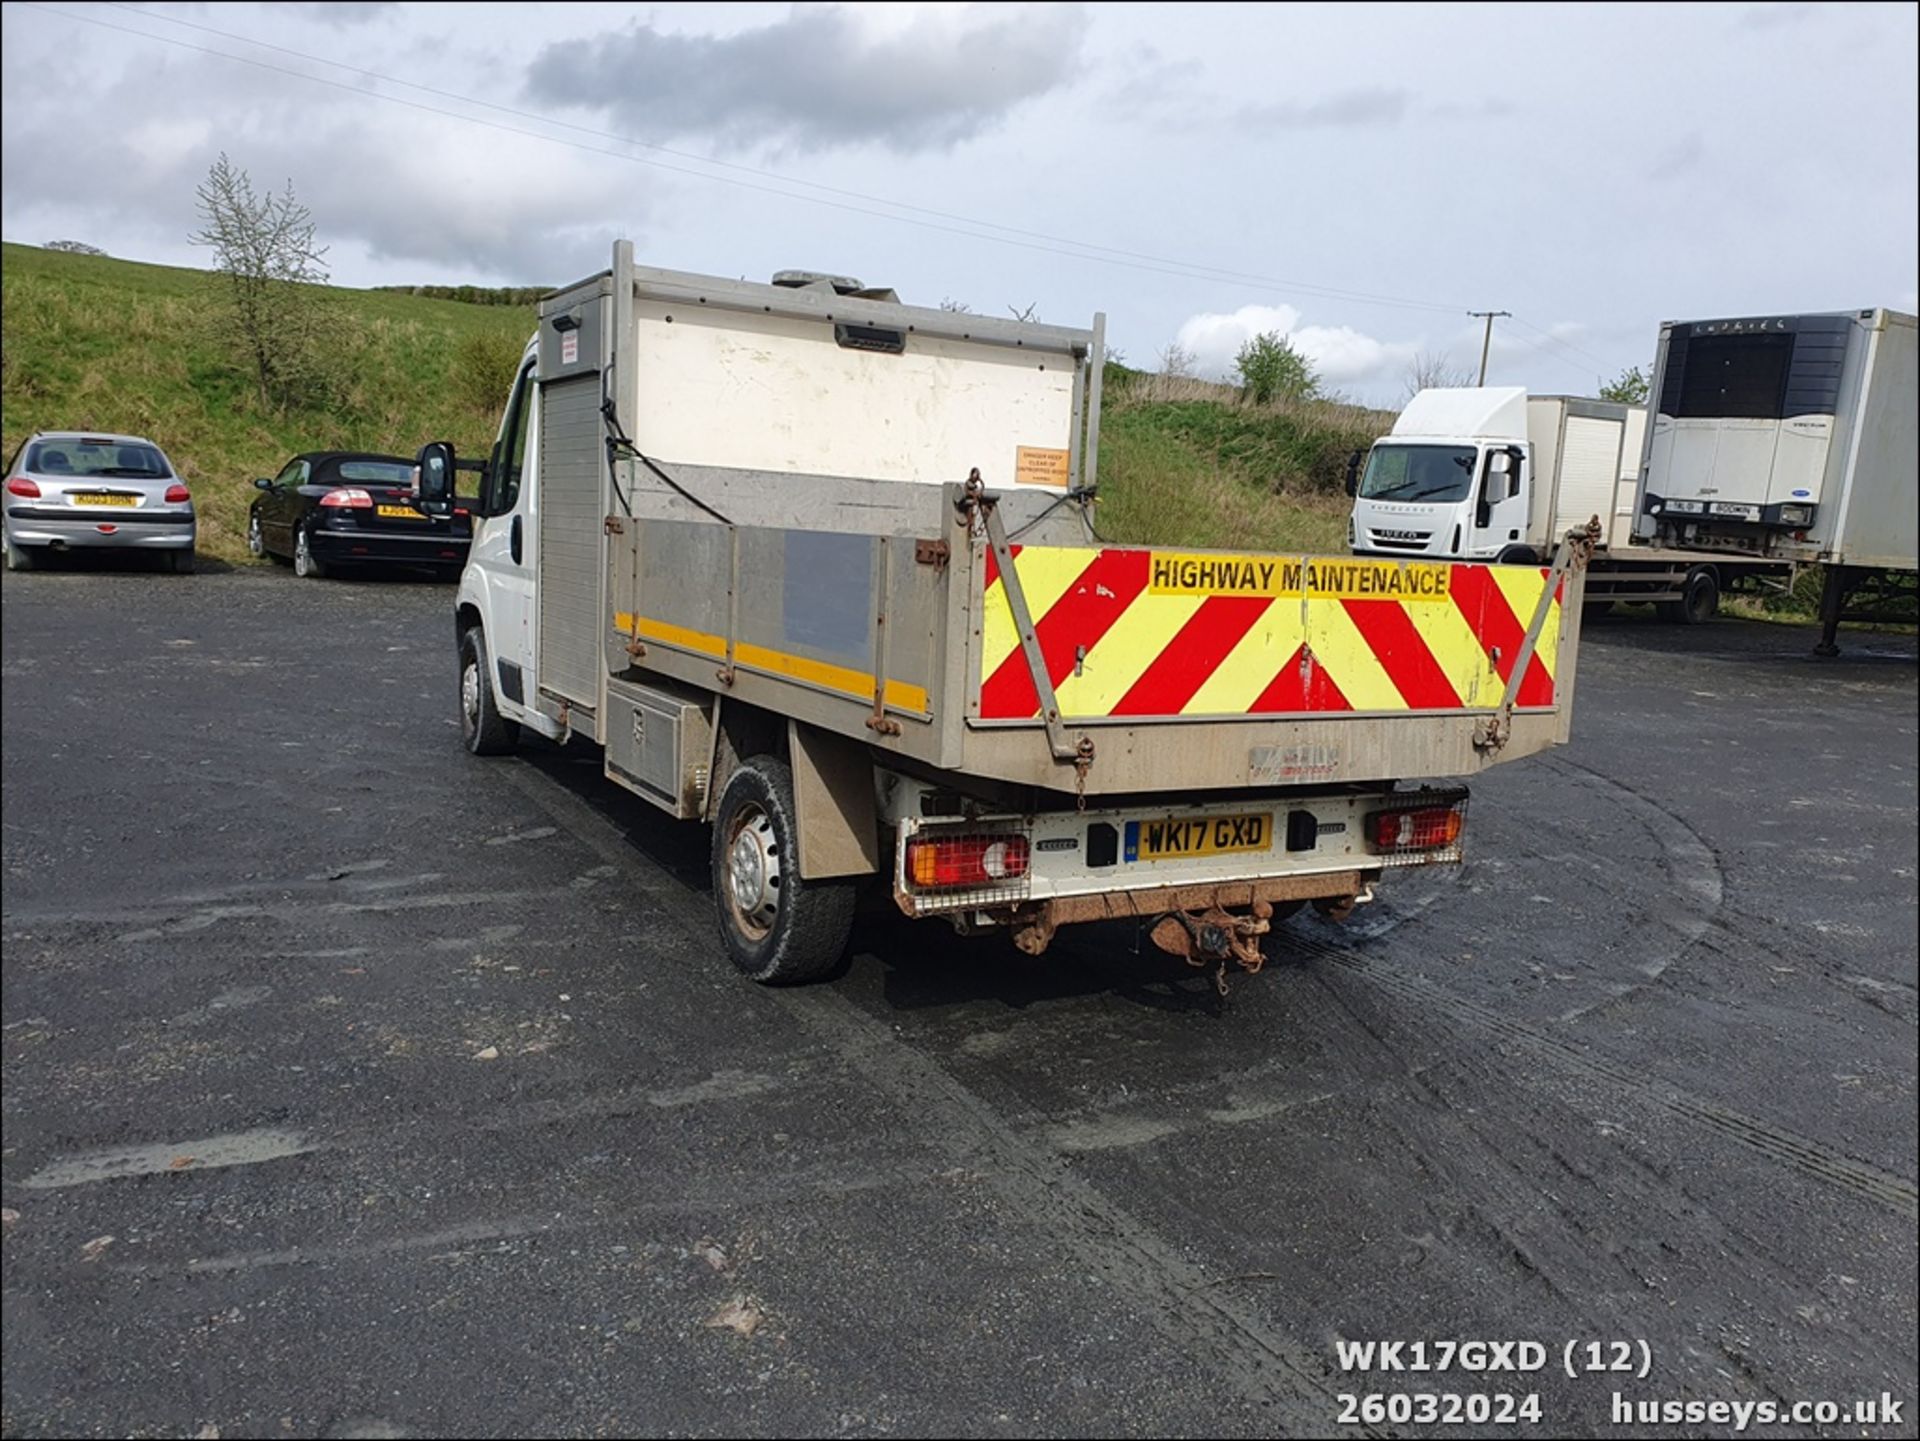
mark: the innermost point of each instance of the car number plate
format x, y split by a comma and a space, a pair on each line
398, 512
1178, 837
94, 498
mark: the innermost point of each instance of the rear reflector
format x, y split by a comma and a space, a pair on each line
19, 485
178, 495
937, 863
1416, 830
347, 498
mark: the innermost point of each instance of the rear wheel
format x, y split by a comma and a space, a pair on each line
306, 564
19, 557
779, 929
485, 731
181, 561
1699, 600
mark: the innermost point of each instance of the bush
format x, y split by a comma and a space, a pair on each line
484, 363
1271, 369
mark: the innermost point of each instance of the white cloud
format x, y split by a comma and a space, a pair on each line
1342, 356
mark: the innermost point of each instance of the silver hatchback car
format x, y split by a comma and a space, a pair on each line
72, 489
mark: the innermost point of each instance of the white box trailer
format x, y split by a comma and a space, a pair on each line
1792, 437
1490, 472
819, 569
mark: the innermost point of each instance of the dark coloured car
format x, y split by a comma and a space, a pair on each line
330, 510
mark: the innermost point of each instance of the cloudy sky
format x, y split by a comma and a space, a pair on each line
1356, 176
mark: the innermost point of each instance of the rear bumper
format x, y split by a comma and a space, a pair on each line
149, 530
385, 547
1091, 864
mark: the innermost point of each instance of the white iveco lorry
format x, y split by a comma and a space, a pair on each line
1491, 473
1791, 437
818, 569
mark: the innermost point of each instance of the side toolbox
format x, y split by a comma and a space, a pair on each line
660, 744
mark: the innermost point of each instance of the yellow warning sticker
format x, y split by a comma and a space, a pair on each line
1173, 573
1035, 465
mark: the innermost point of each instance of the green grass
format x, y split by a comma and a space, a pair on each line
92, 343
1185, 462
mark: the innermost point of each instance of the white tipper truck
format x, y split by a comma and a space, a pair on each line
1791, 437
818, 569
1493, 473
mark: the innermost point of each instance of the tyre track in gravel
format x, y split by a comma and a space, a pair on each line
1603, 1233
1810, 1158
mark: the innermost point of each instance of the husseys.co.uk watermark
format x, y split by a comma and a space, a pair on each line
1577, 1358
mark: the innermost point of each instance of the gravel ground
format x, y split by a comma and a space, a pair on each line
357, 1087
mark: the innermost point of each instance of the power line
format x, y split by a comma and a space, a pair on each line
965, 226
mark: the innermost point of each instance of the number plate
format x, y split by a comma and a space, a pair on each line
1177, 837
398, 512
94, 498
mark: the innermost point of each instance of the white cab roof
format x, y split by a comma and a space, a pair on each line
1489, 412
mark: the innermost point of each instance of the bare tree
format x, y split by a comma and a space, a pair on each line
264, 246
1176, 361
1026, 314
1430, 371
956, 307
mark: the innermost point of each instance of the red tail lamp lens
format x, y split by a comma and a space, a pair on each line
954, 862
1421, 830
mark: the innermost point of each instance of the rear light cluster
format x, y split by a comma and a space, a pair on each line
965, 862
346, 498
178, 494
1414, 829
19, 485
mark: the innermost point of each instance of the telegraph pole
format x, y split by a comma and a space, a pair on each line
1487, 344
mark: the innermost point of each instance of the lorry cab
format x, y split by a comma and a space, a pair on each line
1453, 480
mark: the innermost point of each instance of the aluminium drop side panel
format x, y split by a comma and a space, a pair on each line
572, 510
1879, 496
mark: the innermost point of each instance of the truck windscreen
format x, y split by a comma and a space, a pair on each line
1437, 473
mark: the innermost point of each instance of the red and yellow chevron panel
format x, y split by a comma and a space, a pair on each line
1129, 632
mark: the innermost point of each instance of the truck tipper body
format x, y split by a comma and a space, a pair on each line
1791, 437
1493, 473
820, 569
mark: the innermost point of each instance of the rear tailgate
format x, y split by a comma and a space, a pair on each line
1138, 634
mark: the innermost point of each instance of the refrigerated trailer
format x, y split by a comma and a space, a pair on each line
1493, 473
1790, 437
820, 569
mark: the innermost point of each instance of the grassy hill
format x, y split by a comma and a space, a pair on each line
88, 342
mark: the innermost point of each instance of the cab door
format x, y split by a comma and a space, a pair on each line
1499, 502
503, 564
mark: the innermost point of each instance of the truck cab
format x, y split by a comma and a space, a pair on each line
1453, 480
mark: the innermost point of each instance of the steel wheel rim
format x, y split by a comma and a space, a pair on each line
256, 543
302, 555
753, 872
470, 695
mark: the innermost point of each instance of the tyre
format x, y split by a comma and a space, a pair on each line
1518, 555
256, 542
485, 731
306, 564
182, 561
19, 557
779, 929
1699, 600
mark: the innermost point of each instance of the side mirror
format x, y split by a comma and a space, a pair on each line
262, 483
433, 478
1353, 473
1499, 463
